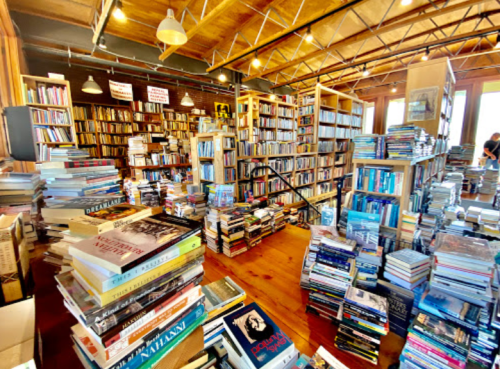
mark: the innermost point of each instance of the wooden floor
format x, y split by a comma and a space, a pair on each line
270, 275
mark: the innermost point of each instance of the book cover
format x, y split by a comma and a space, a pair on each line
258, 337
77, 164
323, 359
470, 249
409, 258
124, 248
82, 206
400, 305
220, 293
367, 300
363, 228
446, 303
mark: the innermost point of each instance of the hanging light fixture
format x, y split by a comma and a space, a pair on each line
118, 12
187, 101
102, 43
366, 72
272, 96
309, 37
406, 2
497, 46
170, 31
425, 57
394, 88
222, 77
318, 82
256, 61
91, 87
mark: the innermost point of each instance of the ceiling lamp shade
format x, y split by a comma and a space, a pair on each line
91, 87
187, 101
170, 31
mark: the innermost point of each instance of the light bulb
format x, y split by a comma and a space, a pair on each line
118, 12
394, 89
309, 37
366, 72
256, 62
406, 2
272, 97
222, 77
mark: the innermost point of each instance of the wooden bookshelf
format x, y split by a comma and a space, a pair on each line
178, 125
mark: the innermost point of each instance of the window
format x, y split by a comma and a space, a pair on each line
457, 118
395, 113
369, 118
488, 122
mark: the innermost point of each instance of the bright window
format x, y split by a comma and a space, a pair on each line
395, 113
457, 118
369, 118
488, 122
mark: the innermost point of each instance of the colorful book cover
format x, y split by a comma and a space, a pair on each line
363, 228
367, 300
465, 248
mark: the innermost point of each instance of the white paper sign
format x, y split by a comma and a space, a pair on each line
158, 95
121, 91
56, 76
217, 144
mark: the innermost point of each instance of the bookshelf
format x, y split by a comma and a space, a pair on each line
86, 128
147, 121
47, 117
178, 125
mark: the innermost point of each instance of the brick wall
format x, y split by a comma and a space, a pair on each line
78, 75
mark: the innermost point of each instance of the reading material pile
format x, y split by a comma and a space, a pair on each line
364, 321
331, 274
365, 146
489, 222
442, 195
233, 233
457, 179
134, 291
490, 182
473, 214
409, 229
463, 153
407, 268
277, 217
405, 142
212, 230
265, 222
6, 165
473, 179
252, 230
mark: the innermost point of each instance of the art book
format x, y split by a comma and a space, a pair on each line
363, 228
400, 304
122, 249
473, 250
408, 258
257, 336
367, 300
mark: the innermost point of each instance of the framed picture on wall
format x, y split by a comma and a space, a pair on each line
222, 110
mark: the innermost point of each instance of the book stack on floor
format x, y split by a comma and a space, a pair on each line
473, 179
265, 222
222, 297
409, 229
233, 234
198, 202
365, 146
253, 229
442, 195
212, 230
457, 179
428, 227
489, 222
490, 182
330, 276
254, 341
175, 195
407, 268
364, 322
405, 142
277, 217
22, 193
473, 214
134, 292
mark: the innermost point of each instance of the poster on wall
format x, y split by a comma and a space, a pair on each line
121, 91
222, 110
423, 104
158, 95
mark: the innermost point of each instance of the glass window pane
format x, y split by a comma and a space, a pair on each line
457, 118
487, 123
369, 118
395, 113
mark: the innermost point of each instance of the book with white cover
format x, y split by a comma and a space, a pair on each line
408, 258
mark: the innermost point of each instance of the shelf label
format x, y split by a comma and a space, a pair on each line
158, 95
121, 91
217, 144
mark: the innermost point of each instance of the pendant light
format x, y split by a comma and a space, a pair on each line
309, 37
256, 61
406, 2
170, 31
366, 72
394, 88
102, 43
425, 57
118, 12
222, 77
187, 101
497, 46
91, 87
273, 95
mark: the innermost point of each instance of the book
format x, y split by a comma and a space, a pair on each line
221, 295
323, 359
77, 164
367, 300
400, 303
257, 337
81, 206
408, 258
451, 305
468, 249
122, 249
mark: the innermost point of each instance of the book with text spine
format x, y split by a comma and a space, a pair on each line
77, 164
400, 303
124, 248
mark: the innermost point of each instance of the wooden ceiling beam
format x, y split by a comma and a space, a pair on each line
367, 34
449, 40
218, 10
103, 20
287, 32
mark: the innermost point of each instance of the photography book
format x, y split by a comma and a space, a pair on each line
400, 305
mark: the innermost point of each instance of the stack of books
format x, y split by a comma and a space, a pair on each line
6, 165
443, 195
428, 227
473, 214
458, 227
253, 229
364, 321
22, 193
490, 218
405, 142
265, 222
409, 229
134, 291
458, 180
253, 340
332, 273
213, 233
233, 234
462, 153
407, 268
490, 182
365, 146
277, 217
198, 202
473, 179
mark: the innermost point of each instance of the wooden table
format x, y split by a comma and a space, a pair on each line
270, 275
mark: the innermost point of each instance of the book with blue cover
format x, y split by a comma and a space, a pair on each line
257, 336
451, 305
363, 228
400, 305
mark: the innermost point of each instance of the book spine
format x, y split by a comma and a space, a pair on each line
340, 264
437, 355
451, 354
426, 335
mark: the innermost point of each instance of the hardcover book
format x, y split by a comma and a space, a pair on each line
124, 248
408, 258
77, 164
257, 336
473, 250
451, 305
400, 304
221, 293
363, 228
81, 206
367, 300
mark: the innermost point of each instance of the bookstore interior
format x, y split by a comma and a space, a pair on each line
249, 184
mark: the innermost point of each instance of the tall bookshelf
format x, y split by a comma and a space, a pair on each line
147, 120
86, 128
50, 103
177, 125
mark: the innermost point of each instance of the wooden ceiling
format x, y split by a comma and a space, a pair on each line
363, 32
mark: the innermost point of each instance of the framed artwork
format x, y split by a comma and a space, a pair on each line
423, 104
222, 110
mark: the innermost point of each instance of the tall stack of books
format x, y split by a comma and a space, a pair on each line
473, 179
22, 193
265, 222
198, 202
364, 321
442, 195
428, 227
213, 233
407, 268
409, 229
458, 180
277, 217
405, 142
489, 222
490, 182
332, 273
134, 291
233, 233
365, 146
252, 230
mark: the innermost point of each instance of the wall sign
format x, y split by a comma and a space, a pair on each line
121, 91
158, 95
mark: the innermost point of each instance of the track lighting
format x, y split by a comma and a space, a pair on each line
91, 87
170, 31
425, 57
406, 2
309, 37
366, 72
102, 43
497, 46
118, 12
222, 77
256, 61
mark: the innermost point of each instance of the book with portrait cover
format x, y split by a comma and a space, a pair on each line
257, 336
400, 304
124, 248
